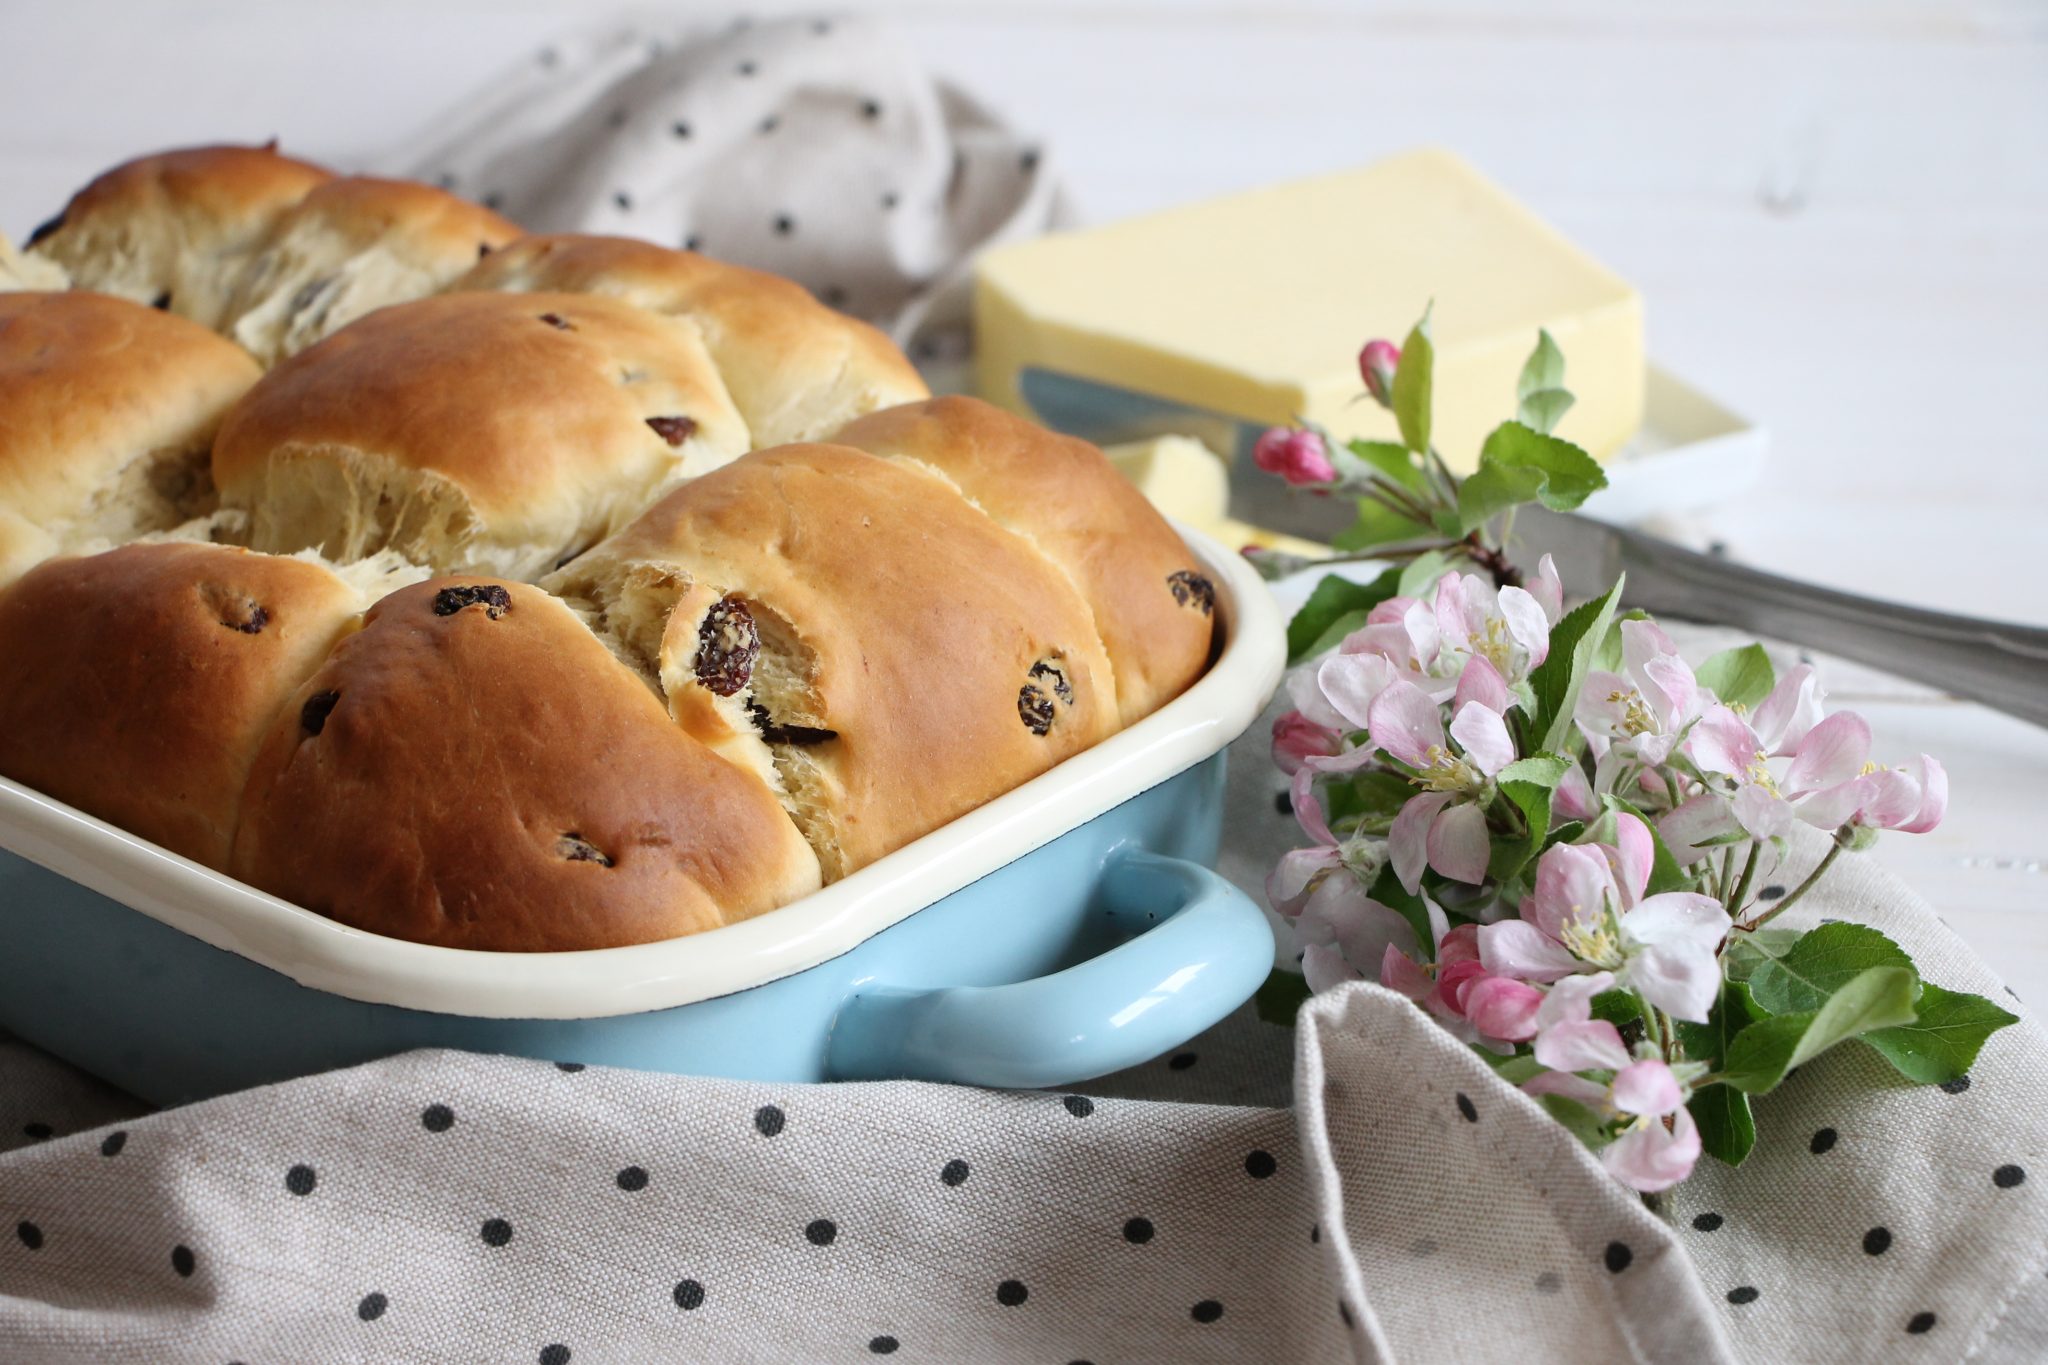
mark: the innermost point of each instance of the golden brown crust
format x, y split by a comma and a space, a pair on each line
473, 769
137, 684
1152, 606
897, 617
177, 226
350, 246
493, 431
104, 407
797, 370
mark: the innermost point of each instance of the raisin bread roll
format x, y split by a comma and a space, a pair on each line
499, 432
107, 410
350, 246
903, 657
473, 769
796, 369
175, 230
137, 684
1153, 607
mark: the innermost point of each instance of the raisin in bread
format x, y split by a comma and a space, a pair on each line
498, 432
895, 655
473, 769
796, 369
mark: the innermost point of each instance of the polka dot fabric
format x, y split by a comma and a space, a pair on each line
818, 149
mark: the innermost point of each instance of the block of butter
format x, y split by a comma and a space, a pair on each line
1256, 305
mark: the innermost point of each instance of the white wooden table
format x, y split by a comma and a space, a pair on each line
1838, 213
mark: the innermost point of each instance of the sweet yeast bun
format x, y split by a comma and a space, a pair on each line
473, 769
175, 230
796, 369
18, 271
497, 432
137, 684
107, 410
1153, 608
352, 245
901, 657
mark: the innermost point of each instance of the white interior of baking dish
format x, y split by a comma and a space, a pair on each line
329, 956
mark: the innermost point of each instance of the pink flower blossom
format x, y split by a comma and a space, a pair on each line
1639, 715
1296, 737
1509, 628
1444, 827
1295, 455
1376, 364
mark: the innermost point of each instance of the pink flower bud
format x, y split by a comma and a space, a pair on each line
1296, 737
1295, 455
1376, 363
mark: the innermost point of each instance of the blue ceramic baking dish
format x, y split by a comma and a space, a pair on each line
1069, 928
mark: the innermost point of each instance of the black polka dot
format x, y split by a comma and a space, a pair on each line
437, 1118
1138, 1230
1919, 1323
953, 1172
1208, 1310
1182, 1061
1028, 161
821, 1232
2005, 1177
38, 1131
1548, 1282
870, 109
446, 180
555, 1354
300, 1180
1259, 1163
571, 1067
1617, 1257
1771, 893
1956, 1086
784, 224
1743, 1293
372, 1307
1823, 1140
31, 1236
884, 1346
746, 68
1344, 1312
770, 124
1465, 1109
113, 1142
1010, 1293
679, 128
768, 1120
1080, 1106
1707, 1222
693, 243
183, 1261
623, 200
548, 56
632, 1178
832, 296
689, 1295
495, 201
1315, 1232
495, 1232
617, 120
1283, 802
1877, 1241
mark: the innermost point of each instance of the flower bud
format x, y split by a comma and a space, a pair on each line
1296, 737
1295, 455
1376, 363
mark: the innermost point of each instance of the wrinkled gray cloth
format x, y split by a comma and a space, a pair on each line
817, 148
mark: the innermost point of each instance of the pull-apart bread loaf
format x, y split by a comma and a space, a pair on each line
501, 432
107, 412
1152, 606
348, 247
474, 769
903, 657
175, 230
137, 684
796, 369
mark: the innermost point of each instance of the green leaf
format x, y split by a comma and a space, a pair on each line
1727, 1128
1607, 659
1580, 1121
1412, 381
1334, 599
1942, 1043
1570, 475
1369, 794
1492, 489
1747, 952
1739, 677
1761, 1054
1544, 369
1543, 770
1528, 782
1665, 873
1279, 999
1392, 461
1422, 573
1557, 680
1514, 1068
1617, 1007
1376, 525
1388, 891
1544, 409
1821, 963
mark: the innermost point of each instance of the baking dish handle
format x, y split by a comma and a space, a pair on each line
1200, 949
